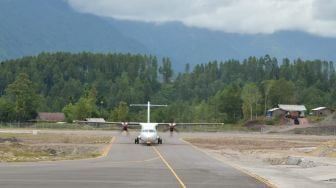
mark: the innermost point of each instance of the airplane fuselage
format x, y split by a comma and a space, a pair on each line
148, 134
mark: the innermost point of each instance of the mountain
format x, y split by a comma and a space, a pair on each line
194, 45
32, 26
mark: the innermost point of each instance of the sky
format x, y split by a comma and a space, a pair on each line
317, 17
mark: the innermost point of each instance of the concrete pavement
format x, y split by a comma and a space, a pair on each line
130, 165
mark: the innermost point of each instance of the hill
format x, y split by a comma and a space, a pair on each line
33, 26
193, 45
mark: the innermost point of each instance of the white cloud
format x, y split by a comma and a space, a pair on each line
239, 16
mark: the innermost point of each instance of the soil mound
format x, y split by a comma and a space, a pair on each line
254, 125
11, 140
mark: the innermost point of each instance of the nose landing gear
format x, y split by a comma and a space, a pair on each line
136, 141
159, 140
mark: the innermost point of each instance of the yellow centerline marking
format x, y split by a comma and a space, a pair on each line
169, 167
255, 176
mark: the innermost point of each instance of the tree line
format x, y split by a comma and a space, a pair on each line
103, 85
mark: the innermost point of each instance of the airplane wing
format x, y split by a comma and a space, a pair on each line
172, 127
191, 124
124, 125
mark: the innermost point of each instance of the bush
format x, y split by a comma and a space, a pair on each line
269, 122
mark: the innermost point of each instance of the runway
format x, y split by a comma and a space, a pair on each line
172, 164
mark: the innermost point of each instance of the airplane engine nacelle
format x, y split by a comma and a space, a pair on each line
172, 127
124, 126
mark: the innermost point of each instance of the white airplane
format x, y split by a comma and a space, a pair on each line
148, 134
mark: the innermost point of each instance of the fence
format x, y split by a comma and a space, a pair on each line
105, 126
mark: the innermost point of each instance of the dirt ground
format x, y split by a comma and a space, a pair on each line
22, 147
285, 160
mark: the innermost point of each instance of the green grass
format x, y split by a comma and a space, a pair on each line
315, 119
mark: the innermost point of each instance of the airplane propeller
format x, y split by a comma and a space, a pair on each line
124, 127
171, 127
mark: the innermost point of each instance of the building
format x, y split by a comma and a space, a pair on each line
293, 111
287, 110
95, 120
322, 111
50, 117
275, 113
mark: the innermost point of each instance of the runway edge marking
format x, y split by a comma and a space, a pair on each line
169, 167
255, 176
108, 148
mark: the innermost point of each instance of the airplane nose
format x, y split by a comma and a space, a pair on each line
149, 138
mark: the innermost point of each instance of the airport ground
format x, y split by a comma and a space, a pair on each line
213, 160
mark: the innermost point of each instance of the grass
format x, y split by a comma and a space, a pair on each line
320, 130
50, 126
207, 128
327, 149
315, 119
324, 147
74, 126
49, 147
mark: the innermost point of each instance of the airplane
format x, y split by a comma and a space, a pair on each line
148, 133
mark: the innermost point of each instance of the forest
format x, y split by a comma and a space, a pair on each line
103, 85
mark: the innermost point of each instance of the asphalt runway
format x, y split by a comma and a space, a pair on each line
172, 164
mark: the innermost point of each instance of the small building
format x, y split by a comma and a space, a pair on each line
322, 111
275, 113
95, 120
293, 111
50, 116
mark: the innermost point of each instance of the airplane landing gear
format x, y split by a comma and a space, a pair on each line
136, 141
159, 140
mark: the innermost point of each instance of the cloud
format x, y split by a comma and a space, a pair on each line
237, 16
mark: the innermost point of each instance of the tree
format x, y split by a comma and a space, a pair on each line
250, 96
22, 93
120, 113
7, 111
230, 103
266, 86
282, 92
166, 70
69, 112
61, 78
85, 107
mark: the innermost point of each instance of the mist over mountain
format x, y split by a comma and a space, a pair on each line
33, 26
